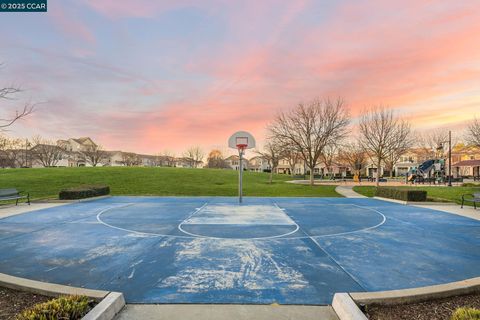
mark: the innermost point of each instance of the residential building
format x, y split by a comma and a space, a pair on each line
234, 162
258, 164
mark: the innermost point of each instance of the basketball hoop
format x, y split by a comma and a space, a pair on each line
241, 141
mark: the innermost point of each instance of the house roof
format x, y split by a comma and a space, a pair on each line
467, 163
82, 140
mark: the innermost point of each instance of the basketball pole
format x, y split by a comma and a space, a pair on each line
240, 175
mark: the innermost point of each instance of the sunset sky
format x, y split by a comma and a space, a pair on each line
148, 75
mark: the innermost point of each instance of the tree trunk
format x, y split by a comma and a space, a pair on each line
378, 173
311, 177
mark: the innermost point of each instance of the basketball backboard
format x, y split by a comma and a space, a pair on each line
241, 140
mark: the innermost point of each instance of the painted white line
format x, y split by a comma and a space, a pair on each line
256, 238
190, 235
148, 234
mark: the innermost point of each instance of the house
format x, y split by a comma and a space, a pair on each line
185, 162
466, 168
115, 159
258, 164
77, 144
234, 162
466, 161
45, 155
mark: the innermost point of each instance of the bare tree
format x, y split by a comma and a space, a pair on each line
383, 134
46, 152
194, 155
272, 153
330, 152
130, 159
216, 160
399, 147
95, 155
167, 159
292, 156
311, 127
430, 143
8, 93
473, 133
353, 155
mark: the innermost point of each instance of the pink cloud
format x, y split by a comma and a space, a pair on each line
413, 56
70, 24
137, 9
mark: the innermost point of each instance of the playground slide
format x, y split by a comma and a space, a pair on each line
426, 166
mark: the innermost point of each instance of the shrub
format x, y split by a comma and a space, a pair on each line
401, 194
470, 184
83, 192
68, 307
466, 314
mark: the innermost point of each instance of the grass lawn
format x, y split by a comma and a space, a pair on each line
450, 194
45, 183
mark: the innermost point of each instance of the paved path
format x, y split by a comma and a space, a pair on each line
8, 210
225, 312
347, 191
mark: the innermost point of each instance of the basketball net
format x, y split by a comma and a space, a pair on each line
241, 148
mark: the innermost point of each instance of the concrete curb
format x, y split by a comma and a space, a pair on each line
111, 302
346, 304
346, 308
73, 201
108, 308
418, 203
418, 294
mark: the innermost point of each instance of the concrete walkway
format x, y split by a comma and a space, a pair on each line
8, 210
225, 312
347, 191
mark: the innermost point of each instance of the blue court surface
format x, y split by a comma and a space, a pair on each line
212, 250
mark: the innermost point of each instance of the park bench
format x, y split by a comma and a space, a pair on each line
13, 194
471, 198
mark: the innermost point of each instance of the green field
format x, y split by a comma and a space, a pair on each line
440, 193
45, 183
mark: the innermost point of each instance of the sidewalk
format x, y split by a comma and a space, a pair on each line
7, 210
347, 191
225, 312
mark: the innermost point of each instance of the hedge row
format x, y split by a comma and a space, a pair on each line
401, 194
83, 192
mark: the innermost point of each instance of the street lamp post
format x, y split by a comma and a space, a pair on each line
440, 147
449, 158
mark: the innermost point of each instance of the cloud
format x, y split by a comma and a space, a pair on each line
159, 91
70, 24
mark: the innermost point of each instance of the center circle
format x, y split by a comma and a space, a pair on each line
228, 221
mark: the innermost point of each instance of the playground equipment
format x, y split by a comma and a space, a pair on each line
432, 170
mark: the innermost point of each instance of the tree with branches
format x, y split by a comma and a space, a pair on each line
131, 159
216, 160
383, 135
430, 143
329, 154
46, 152
95, 155
354, 156
292, 156
166, 159
473, 133
311, 127
9, 93
272, 153
194, 155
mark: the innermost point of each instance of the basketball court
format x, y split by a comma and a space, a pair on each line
215, 250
